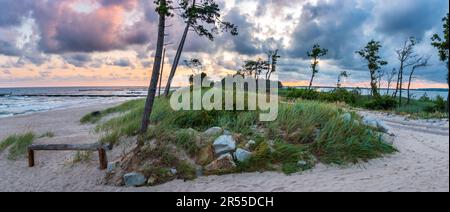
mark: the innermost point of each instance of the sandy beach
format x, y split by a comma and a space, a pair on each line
422, 163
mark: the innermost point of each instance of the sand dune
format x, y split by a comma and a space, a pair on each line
422, 163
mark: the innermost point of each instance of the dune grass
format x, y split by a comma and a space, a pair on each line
18, 144
95, 116
82, 156
48, 134
306, 132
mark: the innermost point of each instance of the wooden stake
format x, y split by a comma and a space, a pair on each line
30, 157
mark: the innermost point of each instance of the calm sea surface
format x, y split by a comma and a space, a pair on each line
19, 101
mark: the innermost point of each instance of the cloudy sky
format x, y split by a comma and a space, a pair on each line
111, 42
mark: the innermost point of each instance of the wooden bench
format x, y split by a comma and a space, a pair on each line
70, 147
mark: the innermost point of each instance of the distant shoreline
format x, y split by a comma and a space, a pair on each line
90, 88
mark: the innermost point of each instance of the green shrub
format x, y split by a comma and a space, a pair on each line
306, 94
425, 98
382, 103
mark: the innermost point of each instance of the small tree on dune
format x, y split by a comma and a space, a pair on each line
197, 69
341, 75
254, 68
442, 45
374, 62
390, 78
380, 75
198, 14
419, 63
272, 61
315, 54
406, 57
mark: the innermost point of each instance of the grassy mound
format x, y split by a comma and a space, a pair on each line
306, 132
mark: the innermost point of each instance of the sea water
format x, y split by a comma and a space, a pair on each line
20, 101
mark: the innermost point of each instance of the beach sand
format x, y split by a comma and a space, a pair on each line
422, 163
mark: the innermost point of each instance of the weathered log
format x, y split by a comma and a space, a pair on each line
70, 147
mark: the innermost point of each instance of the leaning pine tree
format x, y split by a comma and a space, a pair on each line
443, 47
315, 54
199, 13
163, 8
374, 62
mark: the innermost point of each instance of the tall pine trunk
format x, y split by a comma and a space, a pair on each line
155, 74
373, 84
409, 85
388, 89
162, 72
176, 61
177, 58
311, 81
400, 86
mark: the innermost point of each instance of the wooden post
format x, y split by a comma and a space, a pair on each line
102, 158
30, 157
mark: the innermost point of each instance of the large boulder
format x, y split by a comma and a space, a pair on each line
242, 155
224, 144
213, 131
134, 179
375, 123
222, 164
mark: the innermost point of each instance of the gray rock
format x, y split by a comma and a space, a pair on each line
227, 132
213, 131
199, 171
388, 139
376, 124
250, 144
382, 127
224, 144
112, 166
242, 155
134, 179
302, 163
173, 171
347, 117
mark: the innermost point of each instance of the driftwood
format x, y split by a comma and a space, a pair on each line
70, 147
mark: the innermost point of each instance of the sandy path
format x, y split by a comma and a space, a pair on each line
421, 165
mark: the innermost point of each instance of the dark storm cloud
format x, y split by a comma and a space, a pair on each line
123, 62
8, 49
13, 11
408, 17
335, 25
63, 29
78, 60
244, 42
342, 26
101, 30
